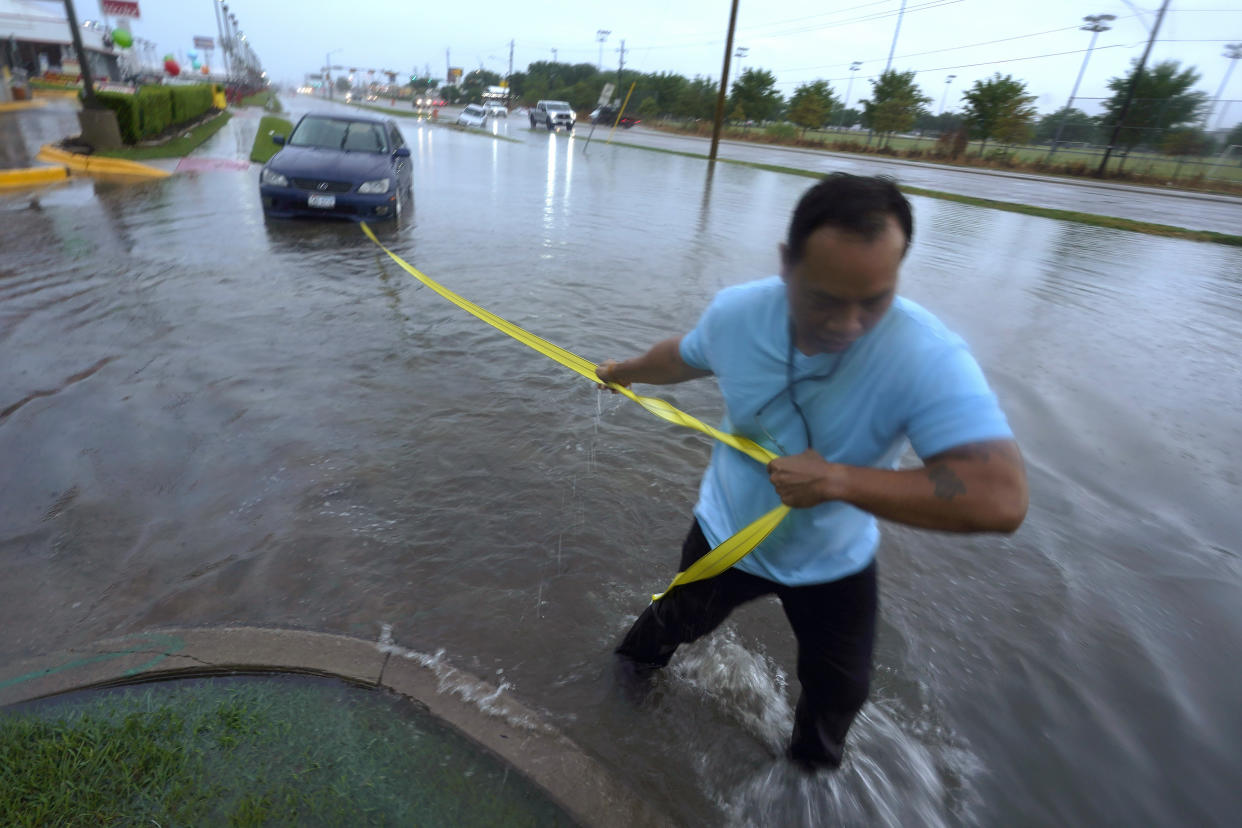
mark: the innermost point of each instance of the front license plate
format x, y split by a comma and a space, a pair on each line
325, 201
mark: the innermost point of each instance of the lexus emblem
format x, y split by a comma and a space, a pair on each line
323, 185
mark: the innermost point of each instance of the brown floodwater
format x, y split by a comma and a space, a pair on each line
207, 419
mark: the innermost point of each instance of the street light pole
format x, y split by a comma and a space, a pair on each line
1095, 23
896, 32
327, 69
849, 89
1233, 51
88, 79
600, 36
945, 93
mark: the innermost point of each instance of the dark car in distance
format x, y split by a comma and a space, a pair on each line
341, 167
607, 116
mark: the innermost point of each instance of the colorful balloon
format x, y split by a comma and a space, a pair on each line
195, 64
172, 67
192, 55
122, 38
204, 70
170, 56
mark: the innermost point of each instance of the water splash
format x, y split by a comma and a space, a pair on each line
486, 697
896, 771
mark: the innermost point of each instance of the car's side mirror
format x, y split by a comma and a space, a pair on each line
401, 152
278, 140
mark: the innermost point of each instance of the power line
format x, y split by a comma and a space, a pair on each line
994, 62
930, 4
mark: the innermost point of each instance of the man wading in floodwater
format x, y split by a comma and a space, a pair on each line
829, 368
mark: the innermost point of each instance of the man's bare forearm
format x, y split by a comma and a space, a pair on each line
662, 365
979, 487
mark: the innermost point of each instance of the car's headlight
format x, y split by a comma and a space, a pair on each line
270, 176
380, 185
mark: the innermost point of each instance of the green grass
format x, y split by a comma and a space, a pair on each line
264, 148
178, 147
266, 99
251, 751
1147, 168
1027, 209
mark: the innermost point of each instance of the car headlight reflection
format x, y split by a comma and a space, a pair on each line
380, 185
275, 179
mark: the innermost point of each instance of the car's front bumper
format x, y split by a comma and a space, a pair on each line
288, 202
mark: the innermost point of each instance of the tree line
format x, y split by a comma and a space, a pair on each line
1166, 114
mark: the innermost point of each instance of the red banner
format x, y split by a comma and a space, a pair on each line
119, 8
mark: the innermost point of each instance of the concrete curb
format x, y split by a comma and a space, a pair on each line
91, 165
480, 711
17, 106
31, 177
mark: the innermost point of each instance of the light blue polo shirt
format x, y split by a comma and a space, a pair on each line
908, 378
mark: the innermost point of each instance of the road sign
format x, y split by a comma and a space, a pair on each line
204, 43
119, 8
606, 95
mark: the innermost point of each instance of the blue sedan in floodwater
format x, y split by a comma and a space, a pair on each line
339, 166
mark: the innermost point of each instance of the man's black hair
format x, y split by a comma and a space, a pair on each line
857, 203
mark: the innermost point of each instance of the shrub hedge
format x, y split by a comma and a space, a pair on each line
153, 109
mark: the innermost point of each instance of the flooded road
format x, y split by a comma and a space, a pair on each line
208, 419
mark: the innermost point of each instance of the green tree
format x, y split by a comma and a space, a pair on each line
648, 109
1162, 99
473, 84
895, 104
665, 89
811, 105
1079, 126
738, 115
755, 92
697, 99
999, 108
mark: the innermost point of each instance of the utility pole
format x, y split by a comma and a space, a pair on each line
1095, 24
896, 32
724, 83
448, 66
601, 35
509, 77
554, 56
1125, 107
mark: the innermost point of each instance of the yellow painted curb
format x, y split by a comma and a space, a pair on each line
98, 166
32, 177
15, 106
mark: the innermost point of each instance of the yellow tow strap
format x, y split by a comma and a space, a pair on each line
720, 558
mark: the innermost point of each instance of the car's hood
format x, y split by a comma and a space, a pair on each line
335, 165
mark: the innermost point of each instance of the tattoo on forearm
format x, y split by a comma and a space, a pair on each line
947, 483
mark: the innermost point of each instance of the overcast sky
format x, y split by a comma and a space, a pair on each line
1037, 41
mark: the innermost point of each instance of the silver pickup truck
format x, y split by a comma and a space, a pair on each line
553, 114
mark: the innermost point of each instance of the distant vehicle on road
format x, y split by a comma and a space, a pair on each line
553, 114
339, 166
607, 116
496, 110
474, 115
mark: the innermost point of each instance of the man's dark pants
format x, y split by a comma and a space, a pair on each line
834, 624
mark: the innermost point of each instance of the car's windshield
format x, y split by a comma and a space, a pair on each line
558, 107
334, 133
